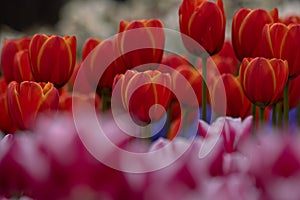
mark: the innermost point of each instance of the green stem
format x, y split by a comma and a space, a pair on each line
261, 116
286, 105
204, 73
169, 117
279, 111
274, 114
105, 99
254, 117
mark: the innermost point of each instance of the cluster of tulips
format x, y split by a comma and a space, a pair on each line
41, 155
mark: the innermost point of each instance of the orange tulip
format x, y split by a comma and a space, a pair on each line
146, 44
27, 99
9, 49
21, 67
237, 105
204, 21
283, 42
137, 100
247, 26
52, 58
263, 80
88, 46
7, 125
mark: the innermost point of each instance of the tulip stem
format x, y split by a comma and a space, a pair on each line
274, 114
105, 99
279, 111
261, 116
204, 74
254, 117
286, 105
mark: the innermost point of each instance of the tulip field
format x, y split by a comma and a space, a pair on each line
155, 113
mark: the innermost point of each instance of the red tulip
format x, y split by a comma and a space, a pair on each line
247, 26
282, 41
105, 63
88, 46
204, 21
21, 67
193, 80
138, 100
263, 80
27, 99
294, 92
52, 58
291, 19
9, 49
66, 100
237, 104
6, 123
226, 60
172, 61
144, 39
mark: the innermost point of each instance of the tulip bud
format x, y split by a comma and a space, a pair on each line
52, 58
141, 42
247, 26
263, 80
21, 67
27, 99
141, 91
204, 21
9, 49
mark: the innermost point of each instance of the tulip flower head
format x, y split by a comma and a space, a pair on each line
141, 92
237, 103
9, 50
27, 99
141, 42
88, 46
52, 58
263, 80
283, 42
204, 21
21, 67
247, 26
7, 125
